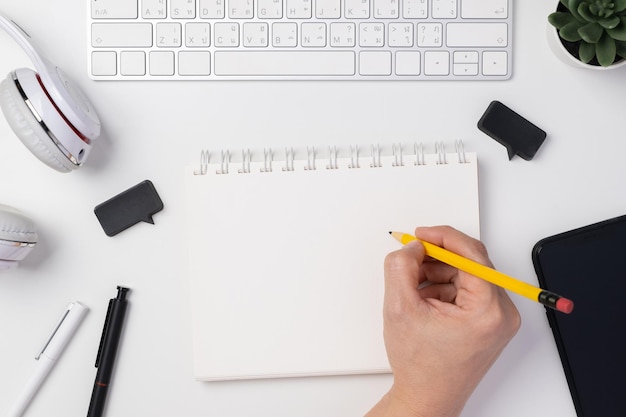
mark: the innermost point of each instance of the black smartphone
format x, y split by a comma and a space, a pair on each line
588, 265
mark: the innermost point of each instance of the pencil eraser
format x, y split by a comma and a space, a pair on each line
137, 204
564, 305
518, 135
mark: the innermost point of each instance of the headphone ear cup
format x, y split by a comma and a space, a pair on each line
28, 129
18, 236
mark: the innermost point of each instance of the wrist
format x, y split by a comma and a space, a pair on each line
398, 404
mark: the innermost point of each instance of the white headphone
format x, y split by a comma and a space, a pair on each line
18, 236
54, 119
49, 113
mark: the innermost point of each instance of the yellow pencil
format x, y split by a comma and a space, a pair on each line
544, 297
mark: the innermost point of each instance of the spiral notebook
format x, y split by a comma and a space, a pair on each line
286, 251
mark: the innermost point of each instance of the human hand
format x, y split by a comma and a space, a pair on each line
443, 328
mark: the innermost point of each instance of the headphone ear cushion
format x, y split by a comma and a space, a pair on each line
28, 129
18, 234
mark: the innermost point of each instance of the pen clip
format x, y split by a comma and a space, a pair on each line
54, 331
104, 332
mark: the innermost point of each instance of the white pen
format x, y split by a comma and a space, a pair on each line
50, 352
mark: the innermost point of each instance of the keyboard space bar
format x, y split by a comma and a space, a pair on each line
251, 63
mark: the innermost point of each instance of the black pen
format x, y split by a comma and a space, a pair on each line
109, 342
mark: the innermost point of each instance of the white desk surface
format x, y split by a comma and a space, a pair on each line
151, 130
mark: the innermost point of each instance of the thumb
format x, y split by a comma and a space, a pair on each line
403, 275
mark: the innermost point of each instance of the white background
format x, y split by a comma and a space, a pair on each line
151, 130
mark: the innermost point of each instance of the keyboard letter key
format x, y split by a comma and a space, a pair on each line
270, 9
183, 9
327, 9
357, 9
153, 9
211, 9
285, 34
197, 35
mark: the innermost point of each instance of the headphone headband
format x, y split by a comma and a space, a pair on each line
69, 99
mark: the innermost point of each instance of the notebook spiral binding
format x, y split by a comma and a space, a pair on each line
417, 158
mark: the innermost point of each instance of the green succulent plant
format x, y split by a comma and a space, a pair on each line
599, 26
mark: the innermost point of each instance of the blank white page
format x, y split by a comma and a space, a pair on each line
286, 267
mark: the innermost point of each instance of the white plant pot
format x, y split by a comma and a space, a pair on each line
559, 50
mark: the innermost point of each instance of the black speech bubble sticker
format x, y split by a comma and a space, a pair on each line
137, 204
515, 133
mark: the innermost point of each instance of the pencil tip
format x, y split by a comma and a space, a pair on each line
390, 233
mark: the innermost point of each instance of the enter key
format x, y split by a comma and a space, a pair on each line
485, 9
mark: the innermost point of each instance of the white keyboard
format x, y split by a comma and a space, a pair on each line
300, 39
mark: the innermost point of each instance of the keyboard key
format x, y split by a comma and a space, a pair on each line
194, 63
375, 63
240, 9
436, 63
124, 35
103, 63
287, 63
285, 35
444, 9
357, 9
161, 63
495, 63
270, 9
477, 35
342, 34
485, 9
197, 35
114, 9
465, 69
371, 34
415, 9
211, 9
328, 9
465, 63
401, 34
386, 9
226, 34
183, 9
299, 9
168, 35
429, 34
408, 63
313, 34
153, 9
133, 63
466, 57
255, 35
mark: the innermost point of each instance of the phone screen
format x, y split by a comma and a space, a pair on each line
588, 266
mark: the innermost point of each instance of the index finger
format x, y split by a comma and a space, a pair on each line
463, 245
455, 241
